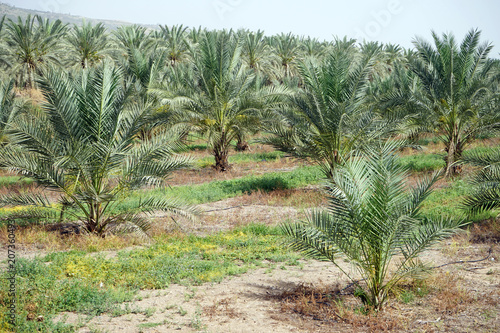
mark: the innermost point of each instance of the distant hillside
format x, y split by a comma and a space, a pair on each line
13, 12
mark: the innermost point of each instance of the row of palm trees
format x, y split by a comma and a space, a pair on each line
315, 99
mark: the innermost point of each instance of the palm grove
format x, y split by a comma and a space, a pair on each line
113, 110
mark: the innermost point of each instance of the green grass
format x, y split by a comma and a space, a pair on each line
12, 180
223, 189
426, 141
446, 202
71, 281
423, 162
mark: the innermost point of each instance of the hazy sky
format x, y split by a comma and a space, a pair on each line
395, 21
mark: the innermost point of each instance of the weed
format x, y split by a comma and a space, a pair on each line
196, 321
151, 325
149, 312
407, 297
190, 295
182, 312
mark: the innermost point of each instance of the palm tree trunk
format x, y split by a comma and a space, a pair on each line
221, 154
454, 150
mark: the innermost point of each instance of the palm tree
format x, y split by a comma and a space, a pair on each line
256, 52
133, 37
33, 44
220, 99
312, 47
328, 118
486, 182
456, 81
3, 47
371, 219
83, 148
176, 44
286, 49
88, 44
397, 99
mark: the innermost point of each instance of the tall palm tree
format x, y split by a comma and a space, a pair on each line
83, 148
33, 44
329, 117
87, 44
371, 219
456, 81
221, 99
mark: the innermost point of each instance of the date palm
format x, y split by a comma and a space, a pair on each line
396, 97
33, 44
132, 37
83, 148
286, 49
221, 99
3, 45
456, 80
7, 106
374, 222
87, 44
329, 117
176, 45
257, 53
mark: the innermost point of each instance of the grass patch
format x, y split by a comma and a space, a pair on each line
223, 189
423, 162
78, 282
446, 202
14, 180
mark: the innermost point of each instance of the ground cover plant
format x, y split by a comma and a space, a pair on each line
77, 281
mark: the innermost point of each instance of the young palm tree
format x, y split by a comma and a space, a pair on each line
88, 44
83, 147
371, 220
33, 44
220, 99
329, 117
456, 81
486, 182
